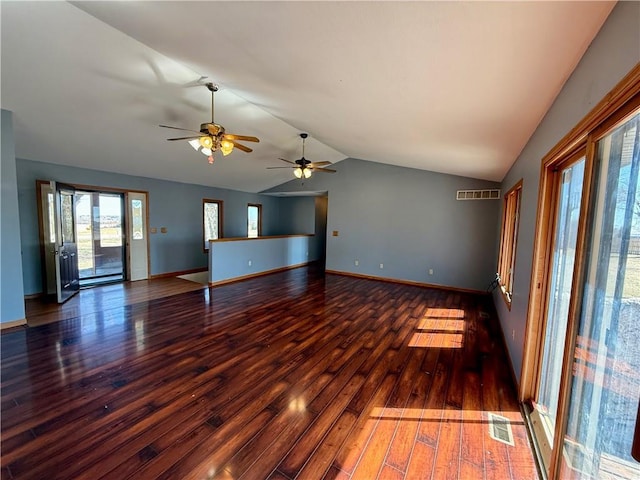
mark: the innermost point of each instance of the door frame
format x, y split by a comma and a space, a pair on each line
46, 264
127, 219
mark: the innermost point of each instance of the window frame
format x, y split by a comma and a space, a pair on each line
220, 203
259, 207
509, 241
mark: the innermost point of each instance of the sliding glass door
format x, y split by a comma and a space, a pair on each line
605, 385
99, 218
581, 372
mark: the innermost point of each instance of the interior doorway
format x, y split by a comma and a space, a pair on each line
101, 237
321, 206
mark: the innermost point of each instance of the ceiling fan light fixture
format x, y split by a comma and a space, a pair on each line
206, 142
195, 143
306, 172
211, 136
298, 172
226, 147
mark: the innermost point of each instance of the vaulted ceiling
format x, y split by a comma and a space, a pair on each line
453, 87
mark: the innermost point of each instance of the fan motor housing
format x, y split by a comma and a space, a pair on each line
204, 128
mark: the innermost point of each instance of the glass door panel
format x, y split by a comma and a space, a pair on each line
99, 218
569, 198
84, 225
605, 385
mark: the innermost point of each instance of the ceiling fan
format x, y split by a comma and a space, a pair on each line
212, 136
303, 167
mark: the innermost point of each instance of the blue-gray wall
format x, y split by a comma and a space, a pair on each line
11, 291
237, 259
611, 55
299, 211
176, 206
410, 221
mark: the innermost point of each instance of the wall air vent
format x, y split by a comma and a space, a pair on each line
490, 194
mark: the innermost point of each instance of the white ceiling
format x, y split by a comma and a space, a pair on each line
453, 87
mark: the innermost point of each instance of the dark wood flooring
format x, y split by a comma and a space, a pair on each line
291, 375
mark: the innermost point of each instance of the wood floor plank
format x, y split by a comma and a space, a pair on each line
321, 460
295, 375
496, 459
389, 418
421, 463
447, 460
390, 473
429, 427
405, 436
474, 426
351, 452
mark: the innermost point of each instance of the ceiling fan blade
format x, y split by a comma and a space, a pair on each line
183, 129
185, 138
327, 170
244, 138
241, 147
273, 168
319, 164
288, 161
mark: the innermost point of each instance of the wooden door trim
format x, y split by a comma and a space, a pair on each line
538, 303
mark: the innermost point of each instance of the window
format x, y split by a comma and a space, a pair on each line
52, 217
136, 218
254, 220
211, 221
508, 240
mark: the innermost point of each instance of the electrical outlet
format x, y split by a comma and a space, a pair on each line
382, 265
249, 263
431, 271
356, 262
513, 334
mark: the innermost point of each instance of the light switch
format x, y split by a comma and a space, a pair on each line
163, 229
154, 230
335, 233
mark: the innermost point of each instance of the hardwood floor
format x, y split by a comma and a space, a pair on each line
291, 375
